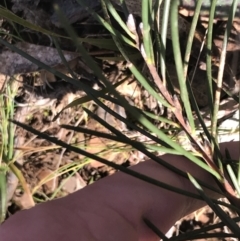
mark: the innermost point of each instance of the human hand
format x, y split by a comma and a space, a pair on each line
113, 208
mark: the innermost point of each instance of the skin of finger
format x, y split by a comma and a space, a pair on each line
121, 199
111, 208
